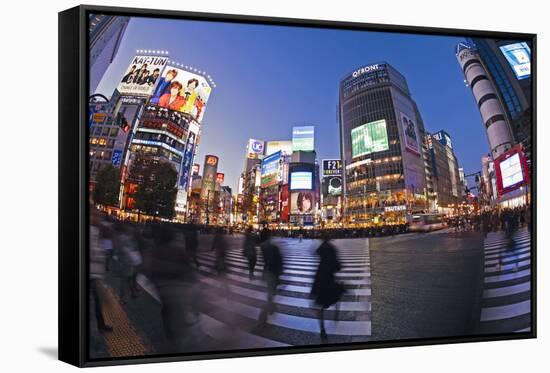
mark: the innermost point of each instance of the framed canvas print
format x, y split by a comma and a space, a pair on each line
234, 186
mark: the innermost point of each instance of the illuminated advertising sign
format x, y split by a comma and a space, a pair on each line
196, 169
255, 149
363, 70
182, 91
142, 75
410, 134
270, 170
369, 138
211, 160
285, 147
302, 202
518, 56
332, 167
301, 180
187, 160
284, 200
116, 159
511, 170
303, 138
220, 177
334, 186
443, 138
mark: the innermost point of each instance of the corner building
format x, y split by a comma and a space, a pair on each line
381, 134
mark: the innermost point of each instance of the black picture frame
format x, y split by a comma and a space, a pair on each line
73, 186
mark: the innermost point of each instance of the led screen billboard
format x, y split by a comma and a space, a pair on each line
518, 56
303, 138
511, 170
183, 91
301, 180
142, 75
270, 170
369, 138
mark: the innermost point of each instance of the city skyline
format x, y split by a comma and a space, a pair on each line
315, 99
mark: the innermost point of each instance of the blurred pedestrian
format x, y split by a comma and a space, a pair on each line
97, 272
273, 268
249, 251
219, 246
325, 289
192, 243
129, 258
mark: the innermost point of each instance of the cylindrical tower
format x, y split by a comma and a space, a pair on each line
492, 113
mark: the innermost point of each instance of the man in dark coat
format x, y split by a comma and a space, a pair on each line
249, 251
325, 289
273, 268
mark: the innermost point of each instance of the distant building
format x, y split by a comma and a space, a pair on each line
105, 35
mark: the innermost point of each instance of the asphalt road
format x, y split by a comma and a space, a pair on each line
426, 285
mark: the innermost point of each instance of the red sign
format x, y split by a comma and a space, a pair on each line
285, 203
511, 170
196, 169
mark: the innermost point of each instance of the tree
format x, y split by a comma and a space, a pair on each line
107, 186
156, 195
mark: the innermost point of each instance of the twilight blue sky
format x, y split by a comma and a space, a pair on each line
271, 77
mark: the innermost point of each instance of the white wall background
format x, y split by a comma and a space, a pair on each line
28, 184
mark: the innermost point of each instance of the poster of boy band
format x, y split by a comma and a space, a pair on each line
142, 75
183, 91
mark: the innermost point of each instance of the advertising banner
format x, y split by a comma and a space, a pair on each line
116, 158
511, 171
285, 203
302, 202
196, 169
369, 138
518, 56
270, 170
303, 138
182, 91
332, 167
255, 149
187, 160
410, 134
142, 75
220, 177
285, 147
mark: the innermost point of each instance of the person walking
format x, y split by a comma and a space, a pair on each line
273, 268
97, 272
219, 246
192, 243
249, 251
325, 290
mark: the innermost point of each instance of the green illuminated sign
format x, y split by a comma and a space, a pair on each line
369, 138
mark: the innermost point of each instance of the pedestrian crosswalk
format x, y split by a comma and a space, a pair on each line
506, 303
236, 302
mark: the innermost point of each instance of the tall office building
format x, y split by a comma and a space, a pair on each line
381, 135
105, 34
508, 66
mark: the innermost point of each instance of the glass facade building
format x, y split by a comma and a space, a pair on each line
387, 179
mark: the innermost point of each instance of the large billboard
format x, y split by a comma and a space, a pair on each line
369, 138
142, 75
255, 149
410, 134
511, 171
518, 56
285, 147
301, 180
270, 170
182, 91
332, 167
284, 200
303, 138
302, 202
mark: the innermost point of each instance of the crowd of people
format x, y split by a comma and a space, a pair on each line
167, 255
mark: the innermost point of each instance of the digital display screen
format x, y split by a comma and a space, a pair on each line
518, 56
511, 171
303, 139
369, 138
301, 180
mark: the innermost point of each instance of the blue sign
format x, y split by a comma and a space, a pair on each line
187, 161
519, 58
116, 159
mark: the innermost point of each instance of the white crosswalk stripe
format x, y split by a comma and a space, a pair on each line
506, 303
295, 312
